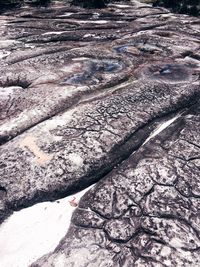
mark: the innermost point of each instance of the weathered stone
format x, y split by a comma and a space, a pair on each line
166, 232
51, 157
80, 93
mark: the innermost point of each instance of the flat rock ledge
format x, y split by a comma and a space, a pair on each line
81, 93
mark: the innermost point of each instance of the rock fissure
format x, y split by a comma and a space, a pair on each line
113, 99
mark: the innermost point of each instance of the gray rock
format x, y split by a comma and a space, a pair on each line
140, 214
80, 92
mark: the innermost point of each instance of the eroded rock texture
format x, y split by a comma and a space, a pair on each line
146, 211
80, 91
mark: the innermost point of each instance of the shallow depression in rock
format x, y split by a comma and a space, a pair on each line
92, 133
169, 72
94, 71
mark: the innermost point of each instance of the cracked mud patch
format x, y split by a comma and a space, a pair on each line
80, 93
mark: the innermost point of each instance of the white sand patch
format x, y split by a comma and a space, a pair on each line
162, 127
32, 232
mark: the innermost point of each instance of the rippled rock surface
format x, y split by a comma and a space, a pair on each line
80, 92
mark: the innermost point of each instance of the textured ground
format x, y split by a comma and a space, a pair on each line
81, 90
145, 212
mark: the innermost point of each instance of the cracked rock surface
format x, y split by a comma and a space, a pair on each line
80, 93
146, 211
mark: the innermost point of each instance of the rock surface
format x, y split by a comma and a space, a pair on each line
143, 213
80, 91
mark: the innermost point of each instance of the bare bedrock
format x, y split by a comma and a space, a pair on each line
81, 90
